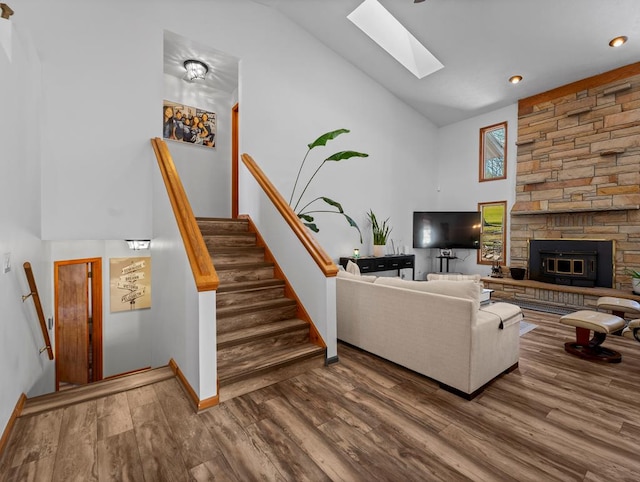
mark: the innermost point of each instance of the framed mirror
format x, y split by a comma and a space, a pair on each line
493, 152
493, 232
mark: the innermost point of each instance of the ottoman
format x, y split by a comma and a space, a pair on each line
632, 330
601, 324
618, 306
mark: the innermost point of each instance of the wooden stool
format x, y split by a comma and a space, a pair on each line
601, 324
618, 306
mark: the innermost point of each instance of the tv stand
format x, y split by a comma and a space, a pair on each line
447, 258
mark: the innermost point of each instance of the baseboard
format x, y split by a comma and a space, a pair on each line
130, 372
191, 393
12, 421
331, 360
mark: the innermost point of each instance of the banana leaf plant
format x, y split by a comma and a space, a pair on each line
307, 212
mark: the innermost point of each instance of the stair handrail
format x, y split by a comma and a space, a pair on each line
319, 255
36, 301
204, 273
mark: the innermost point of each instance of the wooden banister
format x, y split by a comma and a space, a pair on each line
204, 273
36, 301
321, 258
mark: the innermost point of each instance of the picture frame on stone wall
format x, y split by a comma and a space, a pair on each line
493, 152
189, 125
493, 232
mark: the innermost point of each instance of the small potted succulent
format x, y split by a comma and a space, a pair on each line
380, 233
635, 279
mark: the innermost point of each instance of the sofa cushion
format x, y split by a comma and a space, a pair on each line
347, 275
453, 277
458, 289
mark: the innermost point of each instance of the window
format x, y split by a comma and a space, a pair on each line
493, 232
493, 152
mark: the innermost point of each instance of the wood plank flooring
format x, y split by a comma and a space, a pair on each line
556, 417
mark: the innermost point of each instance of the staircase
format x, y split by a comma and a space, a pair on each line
261, 339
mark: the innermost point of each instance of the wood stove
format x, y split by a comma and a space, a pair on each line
579, 262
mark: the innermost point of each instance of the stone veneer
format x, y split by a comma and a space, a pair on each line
578, 169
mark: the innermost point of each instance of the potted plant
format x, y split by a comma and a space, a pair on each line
306, 211
380, 233
635, 279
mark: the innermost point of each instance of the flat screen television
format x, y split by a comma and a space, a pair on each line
446, 229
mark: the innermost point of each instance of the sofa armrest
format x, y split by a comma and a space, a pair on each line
505, 313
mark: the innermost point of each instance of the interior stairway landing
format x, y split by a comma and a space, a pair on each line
91, 391
260, 337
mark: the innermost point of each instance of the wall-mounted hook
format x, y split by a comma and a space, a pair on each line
26, 297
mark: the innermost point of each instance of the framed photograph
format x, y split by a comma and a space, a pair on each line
493, 232
187, 124
493, 152
130, 283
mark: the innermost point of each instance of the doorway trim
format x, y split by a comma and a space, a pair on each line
235, 117
96, 311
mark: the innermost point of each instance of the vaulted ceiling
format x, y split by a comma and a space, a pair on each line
481, 44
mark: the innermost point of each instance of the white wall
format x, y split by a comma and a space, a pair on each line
205, 172
97, 160
22, 367
126, 335
292, 90
459, 188
183, 324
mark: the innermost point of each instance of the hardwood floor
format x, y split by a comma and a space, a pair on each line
555, 418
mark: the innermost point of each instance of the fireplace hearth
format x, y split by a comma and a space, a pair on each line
574, 262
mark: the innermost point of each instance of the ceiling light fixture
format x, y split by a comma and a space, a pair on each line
195, 70
618, 41
385, 30
138, 244
515, 79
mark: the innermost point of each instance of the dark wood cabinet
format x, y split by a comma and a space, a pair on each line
370, 264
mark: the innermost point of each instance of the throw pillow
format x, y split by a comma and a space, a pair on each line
353, 268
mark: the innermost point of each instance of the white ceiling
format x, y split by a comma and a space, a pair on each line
223, 68
480, 42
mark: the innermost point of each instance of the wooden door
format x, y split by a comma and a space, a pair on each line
78, 315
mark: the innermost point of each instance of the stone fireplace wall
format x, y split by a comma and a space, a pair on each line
578, 167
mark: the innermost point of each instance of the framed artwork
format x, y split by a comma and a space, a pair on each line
493, 232
493, 152
130, 283
187, 124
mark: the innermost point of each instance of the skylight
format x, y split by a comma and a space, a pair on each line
385, 30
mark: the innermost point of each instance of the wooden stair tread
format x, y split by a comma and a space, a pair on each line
95, 390
250, 285
243, 368
233, 310
250, 265
239, 250
261, 331
228, 234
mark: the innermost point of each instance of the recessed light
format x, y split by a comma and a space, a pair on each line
618, 41
515, 79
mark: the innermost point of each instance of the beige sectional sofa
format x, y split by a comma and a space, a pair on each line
436, 328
